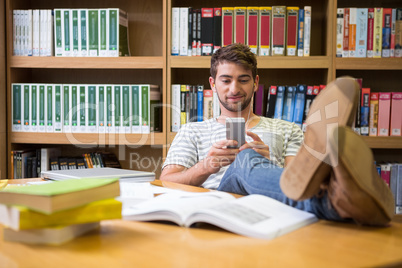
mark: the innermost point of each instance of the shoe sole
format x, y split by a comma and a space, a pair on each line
302, 177
372, 194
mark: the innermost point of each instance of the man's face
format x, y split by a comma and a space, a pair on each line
234, 86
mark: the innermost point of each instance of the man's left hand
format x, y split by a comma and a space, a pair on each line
257, 145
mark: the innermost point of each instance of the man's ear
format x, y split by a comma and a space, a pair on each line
212, 83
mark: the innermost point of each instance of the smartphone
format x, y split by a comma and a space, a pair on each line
236, 130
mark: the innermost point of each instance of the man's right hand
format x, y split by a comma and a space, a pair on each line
219, 155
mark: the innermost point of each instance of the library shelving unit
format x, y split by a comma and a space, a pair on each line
146, 65
3, 117
380, 75
280, 70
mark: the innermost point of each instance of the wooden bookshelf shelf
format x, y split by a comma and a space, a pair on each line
87, 62
384, 142
155, 138
314, 62
368, 64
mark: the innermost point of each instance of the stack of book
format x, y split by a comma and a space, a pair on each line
75, 32
369, 32
80, 108
269, 31
56, 212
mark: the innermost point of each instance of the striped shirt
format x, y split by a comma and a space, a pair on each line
194, 140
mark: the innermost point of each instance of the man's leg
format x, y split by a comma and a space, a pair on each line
251, 173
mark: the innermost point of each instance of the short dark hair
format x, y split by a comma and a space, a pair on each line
237, 53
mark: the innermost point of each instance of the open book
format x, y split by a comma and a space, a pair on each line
253, 215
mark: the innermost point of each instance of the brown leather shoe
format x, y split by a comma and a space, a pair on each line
355, 189
334, 106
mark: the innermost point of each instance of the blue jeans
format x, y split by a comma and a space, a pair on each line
251, 173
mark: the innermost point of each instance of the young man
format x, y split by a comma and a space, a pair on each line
199, 154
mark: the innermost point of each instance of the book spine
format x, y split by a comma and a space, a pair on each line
199, 33
299, 105
112, 32
183, 41
216, 111
207, 27
42, 108
398, 33
264, 38
370, 32
15, 32
252, 28
352, 31
74, 33
122, 41
393, 25
29, 32
278, 30
117, 108
377, 43
194, 33
58, 108
183, 104
346, 16
300, 38
200, 103
208, 105
280, 96
66, 33
26, 125
36, 34
227, 25
291, 32
364, 111
259, 100
240, 25
396, 114
101, 111
58, 33
83, 32
175, 107
136, 109
271, 102
74, 108
93, 32
339, 32
307, 30
109, 109
66, 108
49, 108
83, 108
217, 38
373, 114
93, 106
361, 32
288, 105
384, 107
34, 107
386, 32
190, 32
145, 108
103, 33
125, 107
49, 39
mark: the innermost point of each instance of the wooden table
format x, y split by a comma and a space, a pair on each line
137, 244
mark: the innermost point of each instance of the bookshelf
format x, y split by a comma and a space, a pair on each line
151, 62
146, 65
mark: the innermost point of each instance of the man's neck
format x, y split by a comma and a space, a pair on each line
249, 117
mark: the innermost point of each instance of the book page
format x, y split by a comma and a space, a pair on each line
174, 207
255, 216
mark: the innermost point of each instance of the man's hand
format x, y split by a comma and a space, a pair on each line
219, 155
257, 145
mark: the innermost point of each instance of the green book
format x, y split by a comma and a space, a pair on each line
83, 120
92, 107
93, 32
135, 109
67, 35
74, 108
49, 108
58, 127
42, 108
103, 22
16, 102
117, 108
22, 218
125, 103
34, 108
60, 195
145, 110
118, 33
83, 32
74, 31
58, 33
101, 109
109, 109
25, 123
66, 109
